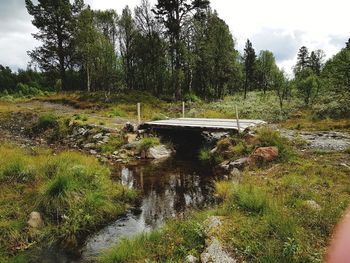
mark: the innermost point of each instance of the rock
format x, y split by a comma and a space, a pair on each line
212, 151
158, 152
105, 139
266, 154
131, 137
89, 145
211, 223
235, 172
130, 127
35, 220
132, 146
98, 136
191, 259
312, 205
93, 152
225, 165
239, 164
215, 253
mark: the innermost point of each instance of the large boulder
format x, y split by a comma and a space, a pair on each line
158, 152
264, 154
35, 220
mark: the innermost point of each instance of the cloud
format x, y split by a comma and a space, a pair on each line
338, 40
283, 44
15, 32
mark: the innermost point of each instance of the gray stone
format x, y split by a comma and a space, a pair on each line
35, 220
89, 145
158, 152
214, 253
191, 259
130, 127
211, 223
313, 205
98, 136
239, 164
235, 172
93, 152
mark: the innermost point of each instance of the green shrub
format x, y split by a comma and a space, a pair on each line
268, 137
116, 112
15, 166
47, 121
172, 243
148, 142
250, 199
190, 97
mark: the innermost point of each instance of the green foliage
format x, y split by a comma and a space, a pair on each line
148, 142
172, 243
47, 121
268, 137
250, 199
73, 193
15, 166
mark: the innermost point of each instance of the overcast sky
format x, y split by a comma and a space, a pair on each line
281, 26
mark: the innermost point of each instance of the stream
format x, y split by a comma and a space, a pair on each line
168, 189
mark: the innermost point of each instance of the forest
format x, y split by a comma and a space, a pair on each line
172, 56
86, 175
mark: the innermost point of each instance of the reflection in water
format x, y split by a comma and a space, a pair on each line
168, 189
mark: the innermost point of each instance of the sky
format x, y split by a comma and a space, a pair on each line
281, 26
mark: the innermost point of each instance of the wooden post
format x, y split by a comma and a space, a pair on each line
237, 119
183, 109
139, 113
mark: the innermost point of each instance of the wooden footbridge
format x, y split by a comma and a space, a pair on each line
199, 124
203, 124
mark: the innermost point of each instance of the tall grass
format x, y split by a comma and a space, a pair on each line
268, 137
73, 192
172, 243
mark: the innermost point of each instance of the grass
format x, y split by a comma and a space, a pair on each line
148, 142
265, 218
171, 243
72, 191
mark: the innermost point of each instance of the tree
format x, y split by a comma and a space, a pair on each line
56, 22
215, 60
173, 13
249, 58
348, 44
127, 33
106, 22
280, 85
308, 85
337, 72
265, 65
302, 59
316, 61
150, 51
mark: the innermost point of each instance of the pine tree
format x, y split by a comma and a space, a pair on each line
249, 58
56, 23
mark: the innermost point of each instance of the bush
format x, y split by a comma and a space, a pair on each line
148, 142
47, 121
268, 137
190, 97
250, 199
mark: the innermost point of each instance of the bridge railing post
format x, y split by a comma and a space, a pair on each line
139, 113
237, 120
183, 109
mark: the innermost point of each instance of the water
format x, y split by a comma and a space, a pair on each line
168, 189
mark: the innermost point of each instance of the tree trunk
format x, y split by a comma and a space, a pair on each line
88, 83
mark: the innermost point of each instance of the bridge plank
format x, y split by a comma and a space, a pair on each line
203, 124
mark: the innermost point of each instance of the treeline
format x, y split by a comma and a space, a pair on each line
172, 50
